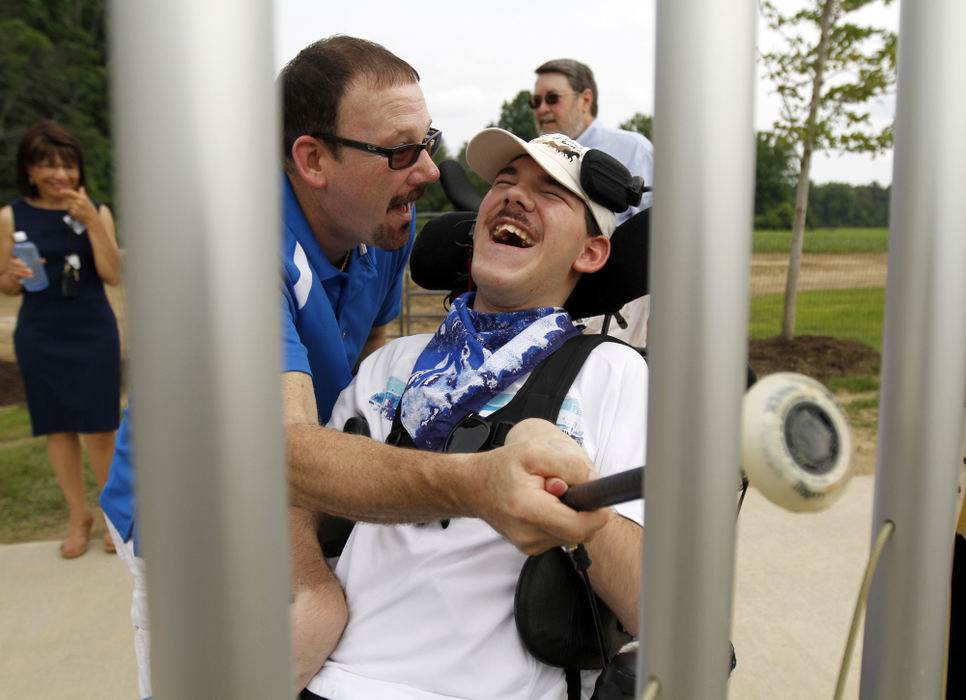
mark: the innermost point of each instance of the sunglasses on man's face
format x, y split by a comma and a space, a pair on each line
400, 157
552, 98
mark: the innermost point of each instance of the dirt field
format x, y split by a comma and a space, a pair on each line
809, 355
818, 271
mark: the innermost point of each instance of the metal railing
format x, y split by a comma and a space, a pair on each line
410, 292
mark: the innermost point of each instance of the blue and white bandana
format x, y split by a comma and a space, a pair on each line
472, 357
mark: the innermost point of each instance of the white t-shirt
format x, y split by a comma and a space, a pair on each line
431, 608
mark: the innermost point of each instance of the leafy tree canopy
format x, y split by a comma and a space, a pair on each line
434, 200
517, 117
641, 123
53, 65
775, 175
855, 66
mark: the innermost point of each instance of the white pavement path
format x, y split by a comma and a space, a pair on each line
65, 628
65, 632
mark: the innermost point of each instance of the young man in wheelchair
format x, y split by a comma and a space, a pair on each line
431, 605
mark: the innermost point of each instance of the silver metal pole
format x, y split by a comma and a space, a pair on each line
196, 139
700, 248
924, 360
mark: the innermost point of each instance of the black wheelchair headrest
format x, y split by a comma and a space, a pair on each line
441, 255
608, 182
457, 186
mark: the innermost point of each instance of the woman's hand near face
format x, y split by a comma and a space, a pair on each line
81, 208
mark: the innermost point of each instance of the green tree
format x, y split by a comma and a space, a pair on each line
775, 176
53, 65
641, 123
826, 73
434, 199
517, 117
479, 184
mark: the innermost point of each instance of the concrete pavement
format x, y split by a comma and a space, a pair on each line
65, 631
797, 577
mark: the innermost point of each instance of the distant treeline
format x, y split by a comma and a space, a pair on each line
832, 205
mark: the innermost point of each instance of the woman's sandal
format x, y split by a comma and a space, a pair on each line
75, 543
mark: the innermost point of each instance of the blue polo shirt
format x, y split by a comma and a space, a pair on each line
327, 314
117, 497
326, 318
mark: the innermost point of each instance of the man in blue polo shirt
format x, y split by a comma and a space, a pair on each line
357, 152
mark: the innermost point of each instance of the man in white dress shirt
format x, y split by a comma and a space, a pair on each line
565, 101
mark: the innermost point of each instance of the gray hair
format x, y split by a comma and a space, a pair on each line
578, 74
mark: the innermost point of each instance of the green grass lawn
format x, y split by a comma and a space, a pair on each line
855, 314
31, 504
825, 240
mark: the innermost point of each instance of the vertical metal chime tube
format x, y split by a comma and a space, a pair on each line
924, 360
700, 253
195, 119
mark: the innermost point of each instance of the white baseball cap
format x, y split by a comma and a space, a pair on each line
560, 156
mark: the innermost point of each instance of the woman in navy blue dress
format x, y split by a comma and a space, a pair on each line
66, 339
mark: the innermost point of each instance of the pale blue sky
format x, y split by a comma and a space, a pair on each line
473, 56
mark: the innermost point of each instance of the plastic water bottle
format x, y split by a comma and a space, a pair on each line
30, 256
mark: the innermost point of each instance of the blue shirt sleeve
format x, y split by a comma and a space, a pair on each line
117, 498
295, 356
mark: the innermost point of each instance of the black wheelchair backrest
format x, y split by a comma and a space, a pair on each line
442, 252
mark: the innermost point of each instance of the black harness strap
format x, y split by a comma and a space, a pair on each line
541, 396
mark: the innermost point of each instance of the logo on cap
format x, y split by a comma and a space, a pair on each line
564, 145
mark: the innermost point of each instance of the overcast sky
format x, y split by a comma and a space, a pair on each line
474, 56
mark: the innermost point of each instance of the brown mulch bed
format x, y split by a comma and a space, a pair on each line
11, 386
817, 356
